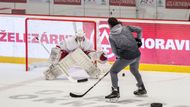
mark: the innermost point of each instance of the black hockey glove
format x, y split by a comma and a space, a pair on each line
139, 42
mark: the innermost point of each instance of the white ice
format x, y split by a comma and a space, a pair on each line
29, 89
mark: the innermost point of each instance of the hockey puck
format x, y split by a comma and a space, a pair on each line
123, 74
82, 80
156, 105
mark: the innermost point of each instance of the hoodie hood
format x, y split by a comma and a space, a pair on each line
116, 29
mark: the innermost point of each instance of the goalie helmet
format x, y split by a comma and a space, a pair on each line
80, 37
80, 33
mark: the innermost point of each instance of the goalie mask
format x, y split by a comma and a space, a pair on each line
80, 35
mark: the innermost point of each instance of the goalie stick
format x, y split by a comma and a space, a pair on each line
77, 96
60, 67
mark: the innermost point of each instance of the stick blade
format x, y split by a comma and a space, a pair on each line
75, 95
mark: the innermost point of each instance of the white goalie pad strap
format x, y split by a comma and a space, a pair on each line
85, 62
55, 55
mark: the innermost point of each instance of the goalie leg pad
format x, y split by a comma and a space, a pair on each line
65, 64
55, 55
86, 63
78, 57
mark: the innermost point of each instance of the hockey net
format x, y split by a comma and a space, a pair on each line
42, 34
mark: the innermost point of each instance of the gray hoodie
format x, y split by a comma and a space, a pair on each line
123, 43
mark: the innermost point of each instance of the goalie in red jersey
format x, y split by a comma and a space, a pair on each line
68, 46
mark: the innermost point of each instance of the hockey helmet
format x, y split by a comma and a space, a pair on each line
80, 33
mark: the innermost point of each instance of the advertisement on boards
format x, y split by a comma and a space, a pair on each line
122, 3
15, 1
68, 2
49, 32
163, 43
95, 2
178, 4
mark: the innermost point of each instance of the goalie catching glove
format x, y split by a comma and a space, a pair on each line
98, 56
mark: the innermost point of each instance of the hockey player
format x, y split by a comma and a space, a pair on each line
126, 49
69, 45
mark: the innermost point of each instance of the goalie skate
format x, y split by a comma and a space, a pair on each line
52, 73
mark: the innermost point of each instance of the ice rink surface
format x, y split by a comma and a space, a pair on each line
29, 89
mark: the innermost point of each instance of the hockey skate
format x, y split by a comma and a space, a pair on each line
51, 73
48, 75
114, 96
140, 91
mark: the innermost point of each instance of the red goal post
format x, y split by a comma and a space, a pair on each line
50, 32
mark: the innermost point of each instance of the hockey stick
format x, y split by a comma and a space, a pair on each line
66, 74
77, 96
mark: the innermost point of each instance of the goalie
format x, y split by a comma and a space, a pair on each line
74, 50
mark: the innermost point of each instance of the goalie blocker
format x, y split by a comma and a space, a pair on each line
77, 57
